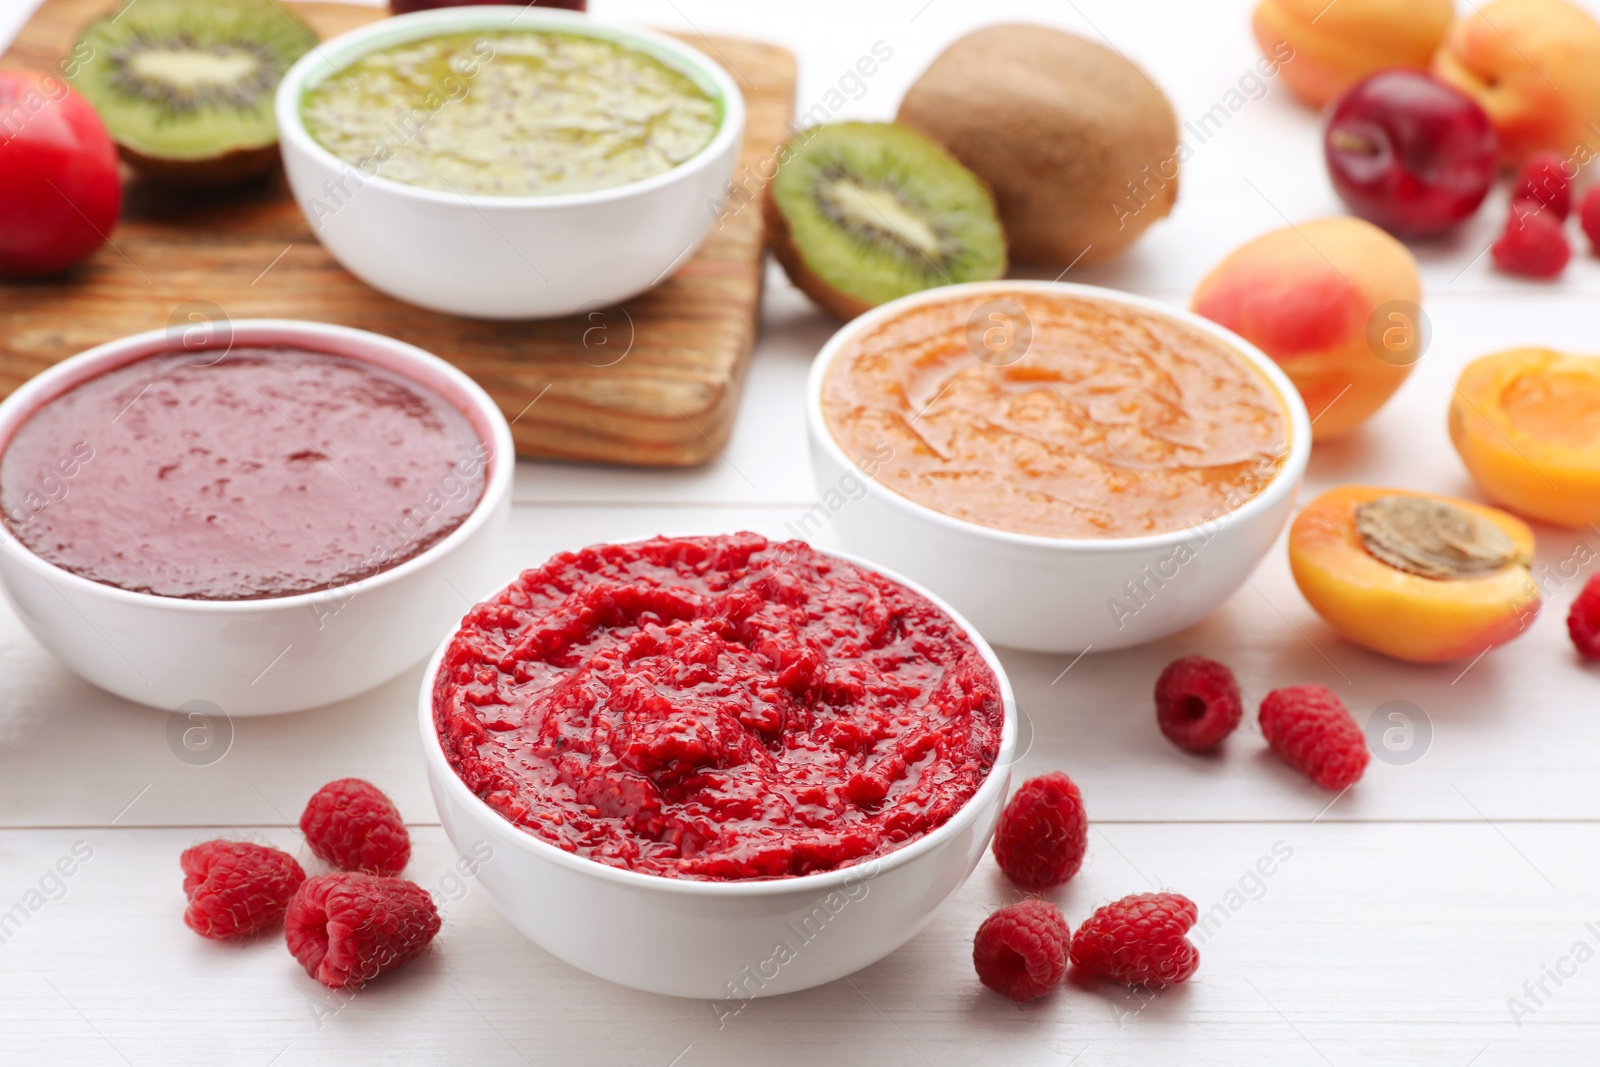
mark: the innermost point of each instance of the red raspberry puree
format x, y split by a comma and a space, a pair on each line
267, 473
717, 708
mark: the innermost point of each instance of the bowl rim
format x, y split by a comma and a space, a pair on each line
1282, 483
330, 56
444, 776
325, 338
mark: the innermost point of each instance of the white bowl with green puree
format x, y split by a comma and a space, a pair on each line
509, 162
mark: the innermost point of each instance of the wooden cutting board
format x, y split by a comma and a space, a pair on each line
654, 382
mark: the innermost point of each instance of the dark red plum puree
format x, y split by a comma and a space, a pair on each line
268, 472
717, 708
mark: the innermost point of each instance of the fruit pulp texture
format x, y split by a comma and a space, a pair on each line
717, 708
261, 472
1083, 419
1560, 407
512, 113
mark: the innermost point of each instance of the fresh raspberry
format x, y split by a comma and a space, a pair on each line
236, 888
348, 928
1021, 950
1043, 833
1544, 178
1310, 729
1589, 216
1583, 621
351, 825
1197, 703
1533, 243
1139, 941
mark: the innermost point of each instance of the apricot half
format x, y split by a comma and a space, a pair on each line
1415, 576
1527, 425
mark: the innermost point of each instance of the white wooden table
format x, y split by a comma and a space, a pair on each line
1458, 874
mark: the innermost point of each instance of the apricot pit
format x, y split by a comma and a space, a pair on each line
1432, 539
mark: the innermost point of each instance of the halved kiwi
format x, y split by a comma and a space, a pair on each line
861, 213
185, 87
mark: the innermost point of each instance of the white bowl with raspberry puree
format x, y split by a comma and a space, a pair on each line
258, 656
725, 941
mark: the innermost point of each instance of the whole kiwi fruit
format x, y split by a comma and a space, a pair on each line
1079, 145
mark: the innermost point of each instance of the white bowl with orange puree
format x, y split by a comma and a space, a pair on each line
1071, 467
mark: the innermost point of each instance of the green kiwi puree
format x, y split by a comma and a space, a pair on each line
511, 113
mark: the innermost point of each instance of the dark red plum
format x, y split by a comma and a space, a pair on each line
1409, 153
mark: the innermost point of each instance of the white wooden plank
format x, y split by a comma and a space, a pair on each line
1511, 739
1382, 944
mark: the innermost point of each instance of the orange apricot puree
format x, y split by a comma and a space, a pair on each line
1055, 415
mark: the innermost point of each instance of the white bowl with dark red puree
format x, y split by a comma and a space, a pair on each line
717, 767
273, 517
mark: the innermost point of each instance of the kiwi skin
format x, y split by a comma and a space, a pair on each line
230, 168
1058, 126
